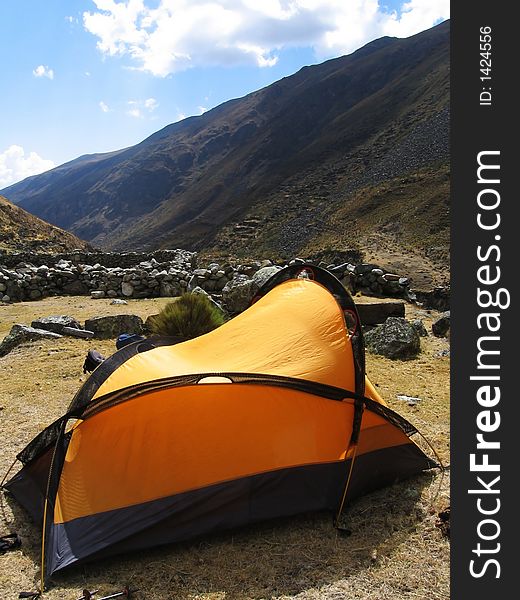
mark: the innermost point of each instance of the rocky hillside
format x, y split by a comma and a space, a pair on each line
354, 150
22, 232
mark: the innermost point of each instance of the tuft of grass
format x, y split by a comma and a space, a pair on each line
188, 317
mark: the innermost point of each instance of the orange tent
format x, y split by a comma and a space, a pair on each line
269, 415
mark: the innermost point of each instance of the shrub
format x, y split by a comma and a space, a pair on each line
189, 316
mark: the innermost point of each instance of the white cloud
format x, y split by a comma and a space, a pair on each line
134, 112
43, 71
104, 107
151, 104
15, 165
174, 35
138, 108
201, 110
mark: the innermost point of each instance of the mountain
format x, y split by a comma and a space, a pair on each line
23, 232
354, 150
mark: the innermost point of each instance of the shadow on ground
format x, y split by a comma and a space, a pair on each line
282, 557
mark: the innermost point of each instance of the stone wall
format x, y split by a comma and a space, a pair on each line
165, 273
106, 259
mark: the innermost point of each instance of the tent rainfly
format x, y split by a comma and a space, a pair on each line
269, 415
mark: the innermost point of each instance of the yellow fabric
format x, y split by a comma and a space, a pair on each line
371, 392
296, 330
174, 440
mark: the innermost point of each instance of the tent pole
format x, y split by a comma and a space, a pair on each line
342, 503
8, 471
42, 565
359, 406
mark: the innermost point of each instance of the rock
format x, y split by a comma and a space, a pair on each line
238, 293
56, 323
441, 326
119, 301
80, 333
340, 268
263, 275
111, 327
411, 400
200, 291
97, 294
418, 325
6, 299
21, 334
202, 273
75, 288
377, 312
63, 264
438, 298
169, 289
265, 263
364, 268
395, 339
127, 289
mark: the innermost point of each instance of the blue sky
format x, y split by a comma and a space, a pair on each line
86, 76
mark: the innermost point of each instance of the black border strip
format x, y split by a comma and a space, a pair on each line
50, 434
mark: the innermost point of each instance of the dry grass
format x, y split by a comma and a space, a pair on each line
395, 551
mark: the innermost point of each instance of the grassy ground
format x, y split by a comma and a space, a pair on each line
395, 550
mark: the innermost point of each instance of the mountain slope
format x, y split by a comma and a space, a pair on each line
278, 169
23, 232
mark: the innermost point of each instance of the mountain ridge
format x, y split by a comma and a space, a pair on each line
331, 126
21, 232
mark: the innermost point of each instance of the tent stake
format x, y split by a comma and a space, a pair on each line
125, 592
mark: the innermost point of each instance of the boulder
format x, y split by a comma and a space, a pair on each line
263, 275
21, 334
111, 327
56, 323
97, 294
395, 339
377, 312
238, 293
441, 326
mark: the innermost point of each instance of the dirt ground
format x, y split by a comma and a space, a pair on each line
395, 550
